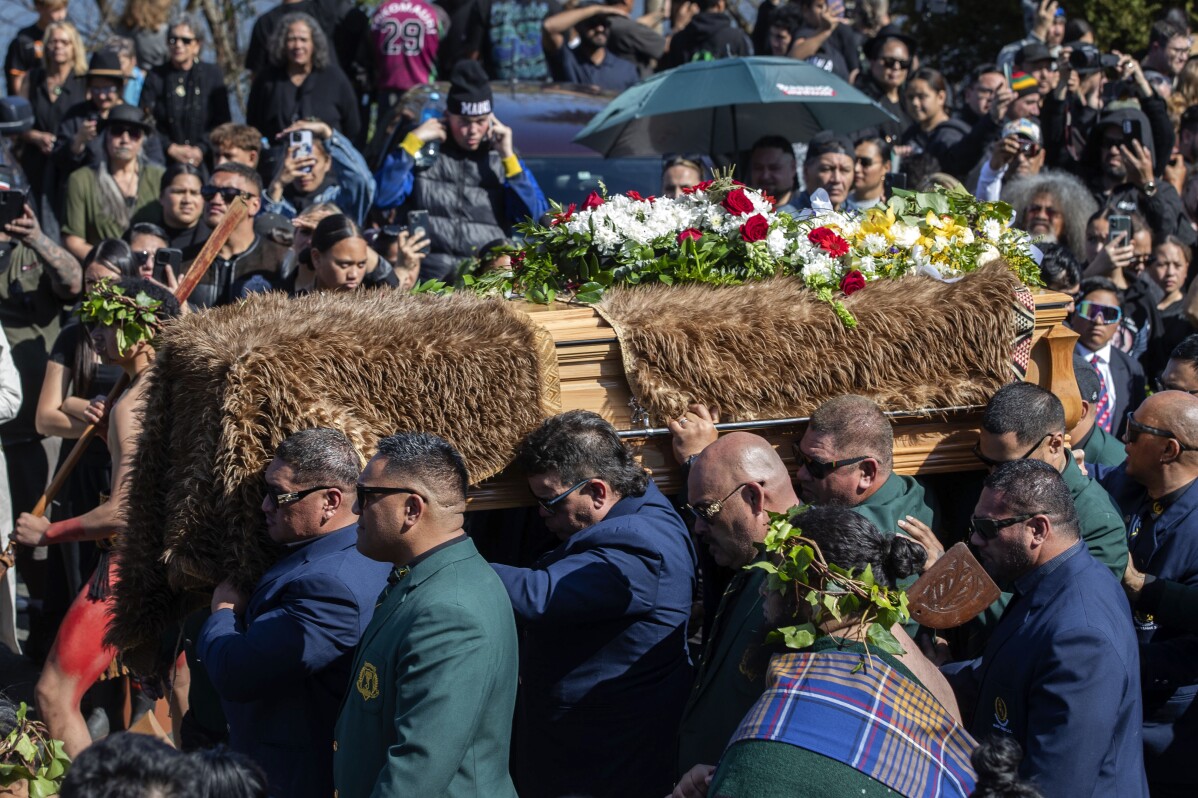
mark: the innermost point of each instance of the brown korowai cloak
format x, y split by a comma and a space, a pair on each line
230, 383
771, 350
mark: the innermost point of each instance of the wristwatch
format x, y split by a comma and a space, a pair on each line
1149, 188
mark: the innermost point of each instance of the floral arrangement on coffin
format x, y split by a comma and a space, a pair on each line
721, 232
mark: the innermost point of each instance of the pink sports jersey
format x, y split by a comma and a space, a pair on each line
406, 36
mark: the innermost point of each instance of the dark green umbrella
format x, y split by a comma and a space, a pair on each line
724, 106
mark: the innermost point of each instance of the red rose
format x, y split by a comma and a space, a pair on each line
593, 201
826, 239
755, 229
689, 233
853, 282
703, 186
736, 203
635, 195
564, 216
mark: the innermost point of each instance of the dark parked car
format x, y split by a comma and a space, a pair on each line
544, 118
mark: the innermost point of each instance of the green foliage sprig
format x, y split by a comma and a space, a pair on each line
798, 570
29, 754
134, 318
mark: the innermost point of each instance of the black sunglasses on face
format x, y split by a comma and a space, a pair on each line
1134, 428
550, 505
227, 193
820, 469
988, 528
1159, 385
121, 130
283, 498
708, 510
366, 491
180, 39
986, 461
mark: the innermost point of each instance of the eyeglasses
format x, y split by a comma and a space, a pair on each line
1159, 385
707, 511
227, 193
550, 505
180, 39
895, 63
1047, 210
1031, 149
141, 257
116, 131
366, 491
986, 461
1141, 260
988, 528
283, 498
1134, 428
820, 469
103, 90
1102, 314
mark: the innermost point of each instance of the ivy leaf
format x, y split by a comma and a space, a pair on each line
881, 638
794, 637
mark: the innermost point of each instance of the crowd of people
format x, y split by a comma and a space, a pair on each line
625, 651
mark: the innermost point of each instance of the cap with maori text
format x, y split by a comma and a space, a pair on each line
469, 90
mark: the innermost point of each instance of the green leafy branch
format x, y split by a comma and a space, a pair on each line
833, 594
134, 317
28, 754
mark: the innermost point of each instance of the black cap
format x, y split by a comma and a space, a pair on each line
1088, 384
1035, 51
469, 90
127, 115
872, 46
827, 141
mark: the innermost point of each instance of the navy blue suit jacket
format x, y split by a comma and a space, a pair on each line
1168, 656
604, 664
1061, 676
282, 670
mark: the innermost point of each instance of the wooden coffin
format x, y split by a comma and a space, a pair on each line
937, 441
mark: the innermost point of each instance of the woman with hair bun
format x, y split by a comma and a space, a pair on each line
841, 716
338, 254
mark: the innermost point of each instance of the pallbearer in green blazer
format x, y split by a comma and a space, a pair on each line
433, 687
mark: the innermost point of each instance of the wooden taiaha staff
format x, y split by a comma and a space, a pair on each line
234, 215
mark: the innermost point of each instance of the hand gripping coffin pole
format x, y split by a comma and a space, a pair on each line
235, 214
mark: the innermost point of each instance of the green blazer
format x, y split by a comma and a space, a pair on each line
1102, 448
899, 497
722, 694
433, 688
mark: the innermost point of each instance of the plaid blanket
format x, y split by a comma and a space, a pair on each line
876, 720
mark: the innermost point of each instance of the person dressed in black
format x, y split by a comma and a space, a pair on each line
186, 97
25, 50
179, 210
302, 82
711, 34
890, 55
52, 87
826, 40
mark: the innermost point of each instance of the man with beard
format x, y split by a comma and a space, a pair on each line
846, 458
1062, 665
475, 190
1126, 175
772, 170
590, 62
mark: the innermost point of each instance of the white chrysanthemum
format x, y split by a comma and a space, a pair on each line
875, 243
867, 266
905, 235
992, 230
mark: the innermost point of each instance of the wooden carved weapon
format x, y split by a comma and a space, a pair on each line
954, 590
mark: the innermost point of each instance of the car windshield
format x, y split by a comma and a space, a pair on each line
570, 178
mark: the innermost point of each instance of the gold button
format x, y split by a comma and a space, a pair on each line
334, 746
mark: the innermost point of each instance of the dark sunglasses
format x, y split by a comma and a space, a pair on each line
895, 63
180, 39
820, 469
116, 131
986, 461
1159, 385
1031, 149
988, 528
550, 505
141, 257
707, 511
865, 162
227, 193
1047, 210
366, 491
1134, 428
1103, 314
283, 498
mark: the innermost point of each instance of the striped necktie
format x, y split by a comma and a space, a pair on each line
1102, 412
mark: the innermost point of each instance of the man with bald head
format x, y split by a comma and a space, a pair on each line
1156, 489
734, 484
846, 458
